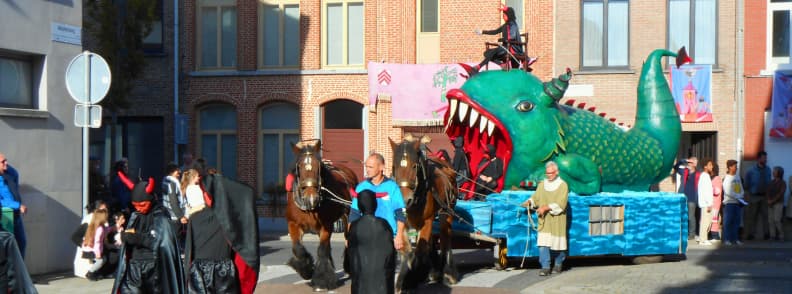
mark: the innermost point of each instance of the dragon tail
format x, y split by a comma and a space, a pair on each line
656, 113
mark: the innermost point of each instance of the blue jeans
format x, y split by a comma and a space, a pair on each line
731, 222
544, 257
19, 234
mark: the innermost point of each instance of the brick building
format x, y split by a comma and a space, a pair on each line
256, 75
260, 74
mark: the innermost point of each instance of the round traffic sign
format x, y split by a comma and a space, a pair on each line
88, 78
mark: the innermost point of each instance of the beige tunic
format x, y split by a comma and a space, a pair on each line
553, 225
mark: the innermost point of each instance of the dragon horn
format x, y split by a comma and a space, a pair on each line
150, 186
126, 181
556, 88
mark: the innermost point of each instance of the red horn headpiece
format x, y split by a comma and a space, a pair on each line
150, 186
126, 181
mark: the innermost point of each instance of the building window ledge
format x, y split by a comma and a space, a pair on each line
277, 72
27, 113
604, 71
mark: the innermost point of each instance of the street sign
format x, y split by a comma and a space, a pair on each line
88, 78
93, 119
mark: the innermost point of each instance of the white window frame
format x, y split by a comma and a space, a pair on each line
610, 221
281, 149
219, 135
219, 4
345, 40
281, 31
34, 79
772, 63
691, 50
605, 61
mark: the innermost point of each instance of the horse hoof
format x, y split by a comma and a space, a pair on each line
319, 289
449, 279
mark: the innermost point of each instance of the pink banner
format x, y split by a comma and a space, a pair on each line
417, 91
782, 106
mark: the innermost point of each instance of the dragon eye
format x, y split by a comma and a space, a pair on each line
525, 106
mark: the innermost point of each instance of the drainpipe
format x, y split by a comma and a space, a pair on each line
176, 56
739, 89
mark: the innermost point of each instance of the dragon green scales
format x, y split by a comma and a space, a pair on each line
523, 119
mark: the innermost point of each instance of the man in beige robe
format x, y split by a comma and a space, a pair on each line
550, 203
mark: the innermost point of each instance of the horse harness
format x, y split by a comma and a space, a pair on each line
300, 184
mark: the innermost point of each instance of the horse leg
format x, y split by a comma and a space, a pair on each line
324, 277
301, 261
421, 263
436, 272
450, 273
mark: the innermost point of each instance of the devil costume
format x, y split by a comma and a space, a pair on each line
460, 162
221, 252
149, 261
371, 253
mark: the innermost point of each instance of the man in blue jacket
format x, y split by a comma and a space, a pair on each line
9, 197
390, 204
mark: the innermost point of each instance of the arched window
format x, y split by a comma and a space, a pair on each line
279, 126
217, 139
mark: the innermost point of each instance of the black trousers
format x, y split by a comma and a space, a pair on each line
142, 276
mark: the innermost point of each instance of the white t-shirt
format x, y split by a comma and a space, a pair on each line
194, 198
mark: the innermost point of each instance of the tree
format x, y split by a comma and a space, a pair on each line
118, 28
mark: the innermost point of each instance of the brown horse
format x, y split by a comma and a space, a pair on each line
428, 186
318, 194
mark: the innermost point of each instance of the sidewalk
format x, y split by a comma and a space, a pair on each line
695, 274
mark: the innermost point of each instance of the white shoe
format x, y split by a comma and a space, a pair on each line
705, 243
698, 239
727, 243
739, 243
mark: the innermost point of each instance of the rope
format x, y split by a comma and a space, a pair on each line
336, 198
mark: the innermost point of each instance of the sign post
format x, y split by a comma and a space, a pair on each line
87, 81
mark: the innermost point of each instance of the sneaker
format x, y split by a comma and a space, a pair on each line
698, 239
557, 269
727, 243
705, 243
544, 272
739, 243
532, 60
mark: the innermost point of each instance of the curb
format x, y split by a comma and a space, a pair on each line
307, 237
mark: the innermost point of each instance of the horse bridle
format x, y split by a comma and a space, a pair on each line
418, 164
301, 183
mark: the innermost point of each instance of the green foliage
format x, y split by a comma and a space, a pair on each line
118, 28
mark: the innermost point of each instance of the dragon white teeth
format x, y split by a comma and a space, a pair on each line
463, 110
483, 124
473, 116
452, 109
490, 127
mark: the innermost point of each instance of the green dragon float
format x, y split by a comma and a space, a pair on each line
522, 117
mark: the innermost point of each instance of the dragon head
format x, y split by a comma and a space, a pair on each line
521, 111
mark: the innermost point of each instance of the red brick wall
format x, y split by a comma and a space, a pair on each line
758, 88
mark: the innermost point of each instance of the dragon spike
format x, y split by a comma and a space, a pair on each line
581, 105
570, 102
556, 87
592, 109
612, 119
150, 186
126, 181
602, 114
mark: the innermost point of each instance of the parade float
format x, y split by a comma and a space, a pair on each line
609, 168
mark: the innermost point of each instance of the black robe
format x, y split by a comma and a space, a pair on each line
234, 208
14, 277
210, 265
164, 249
371, 252
491, 168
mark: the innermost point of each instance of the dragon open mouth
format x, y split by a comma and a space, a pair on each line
478, 127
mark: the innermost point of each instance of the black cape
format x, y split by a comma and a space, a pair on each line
165, 249
14, 277
371, 253
234, 207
